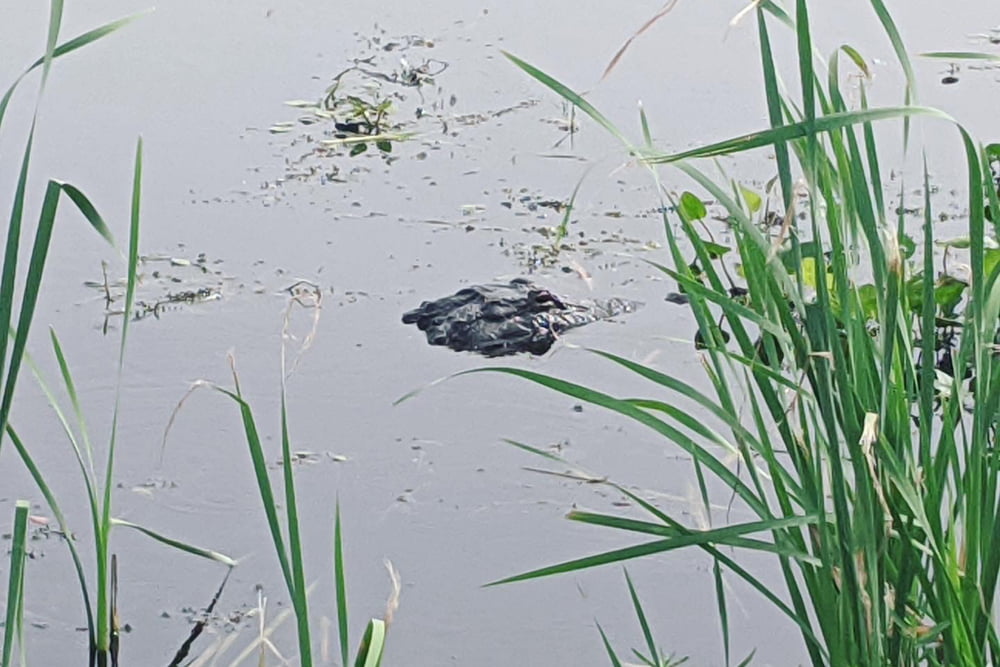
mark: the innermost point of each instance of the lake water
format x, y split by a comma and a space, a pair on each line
429, 483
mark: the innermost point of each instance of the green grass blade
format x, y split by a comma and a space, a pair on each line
29, 299
803, 129
340, 584
103, 536
647, 136
55, 21
11, 248
535, 450
962, 55
14, 618
186, 547
571, 96
372, 645
889, 25
63, 49
910, 94
612, 656
89, 212
641, 615
50, 500
694, 537
84, 452
267, 497
774, 108
625, 408
298, 594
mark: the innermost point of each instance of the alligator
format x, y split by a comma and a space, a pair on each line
503, 319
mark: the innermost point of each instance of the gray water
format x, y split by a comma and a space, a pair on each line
428, 484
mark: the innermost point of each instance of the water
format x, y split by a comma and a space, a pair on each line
428, 483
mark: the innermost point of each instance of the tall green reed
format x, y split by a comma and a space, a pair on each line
101, 625
285, 531
870, 469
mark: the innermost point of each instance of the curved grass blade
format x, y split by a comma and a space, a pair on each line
627, 409
571, 96
691, 538
86, 466
889, 25
192, 549
50, 500
803, 129
89, 212
63, 49
267, 497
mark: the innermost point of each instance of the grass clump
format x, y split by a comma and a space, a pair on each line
101, 614
857, 387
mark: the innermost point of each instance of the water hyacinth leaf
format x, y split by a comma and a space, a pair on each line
691, 207
384, 146
720, 336
907, 246
915, 292
948, 294
753, 200
715, 250
991, 261
358, 149
788, 258
810, 273
868, 298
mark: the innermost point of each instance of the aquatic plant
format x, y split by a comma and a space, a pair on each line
869, 466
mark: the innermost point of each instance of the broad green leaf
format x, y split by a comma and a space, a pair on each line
691, 207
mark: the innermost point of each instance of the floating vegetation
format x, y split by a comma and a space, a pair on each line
165, 283
390, 94
366, 102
